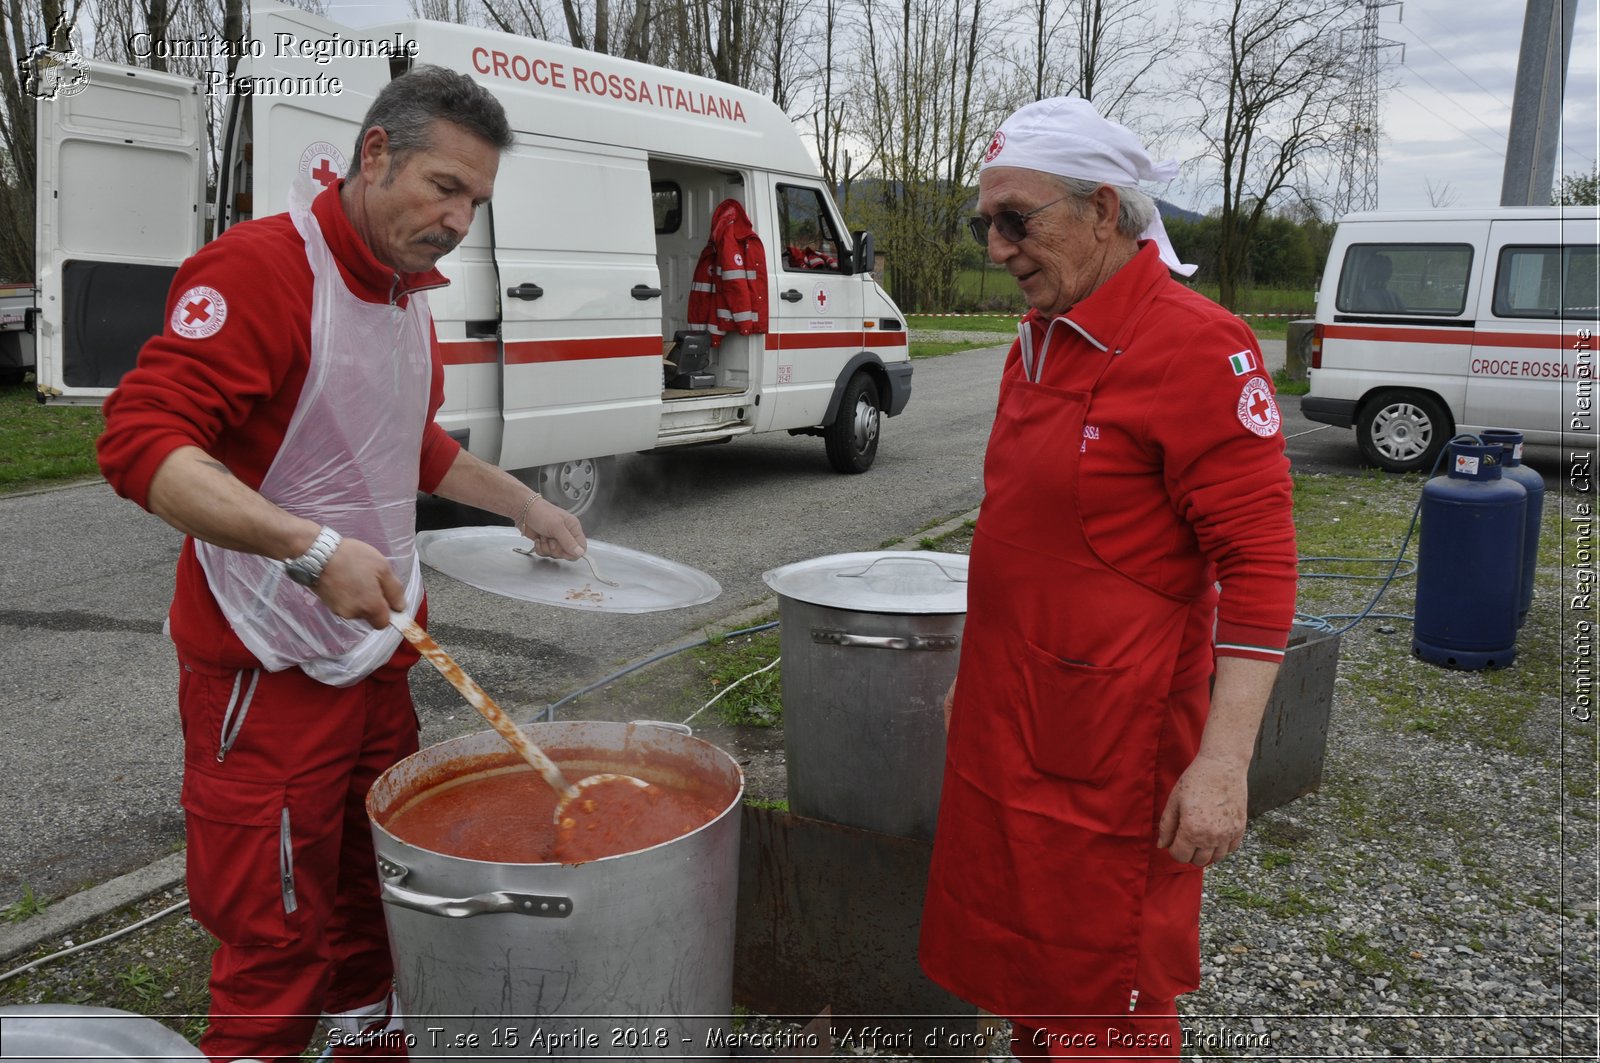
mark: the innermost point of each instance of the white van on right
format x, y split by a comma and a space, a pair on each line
1431, 323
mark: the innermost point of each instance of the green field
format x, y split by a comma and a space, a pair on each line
991, 289
41, 445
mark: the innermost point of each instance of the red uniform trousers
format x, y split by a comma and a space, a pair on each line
280, 861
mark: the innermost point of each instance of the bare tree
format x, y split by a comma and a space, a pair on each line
928, 109
1273, 95
459, 12
835, 118
1440, 195
27, 26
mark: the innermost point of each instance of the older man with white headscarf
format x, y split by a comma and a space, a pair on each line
1135, 466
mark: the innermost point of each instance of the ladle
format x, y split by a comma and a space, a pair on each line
479, 699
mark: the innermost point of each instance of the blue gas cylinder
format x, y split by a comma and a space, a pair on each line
1534, 484
1469, 561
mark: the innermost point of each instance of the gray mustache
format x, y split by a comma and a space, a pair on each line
443, 241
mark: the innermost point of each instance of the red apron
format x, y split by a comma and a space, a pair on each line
1066, 740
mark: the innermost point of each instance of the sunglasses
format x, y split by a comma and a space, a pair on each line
1012, 225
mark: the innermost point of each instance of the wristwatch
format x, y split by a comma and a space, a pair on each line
307, 568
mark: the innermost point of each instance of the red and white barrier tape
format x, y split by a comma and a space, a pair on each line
1307, 314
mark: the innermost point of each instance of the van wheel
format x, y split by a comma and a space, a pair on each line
583, 488
1403, 431
852, 438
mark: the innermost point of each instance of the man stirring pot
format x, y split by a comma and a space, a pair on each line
284, 421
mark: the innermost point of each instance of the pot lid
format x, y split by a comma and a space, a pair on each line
487, 558
880, 581
75, 1031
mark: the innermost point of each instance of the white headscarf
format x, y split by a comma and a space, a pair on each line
1067, 137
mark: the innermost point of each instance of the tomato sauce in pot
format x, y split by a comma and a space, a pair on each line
506, 815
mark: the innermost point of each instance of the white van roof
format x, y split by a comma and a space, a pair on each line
554, 90
1470, 214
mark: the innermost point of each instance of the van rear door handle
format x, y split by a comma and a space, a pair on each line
644, 291
525, 291
792, 296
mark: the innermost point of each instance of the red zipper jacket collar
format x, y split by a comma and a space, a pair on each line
362, 272
1100, 316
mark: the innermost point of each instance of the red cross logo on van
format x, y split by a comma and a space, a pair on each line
820, 297
322, 162
198, 313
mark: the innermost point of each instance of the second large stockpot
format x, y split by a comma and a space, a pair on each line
870, 643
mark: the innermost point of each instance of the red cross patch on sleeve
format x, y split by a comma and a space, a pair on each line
1257, 411
199, 312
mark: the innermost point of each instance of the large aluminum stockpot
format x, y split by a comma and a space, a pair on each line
57, 1032
630, 956
870, 643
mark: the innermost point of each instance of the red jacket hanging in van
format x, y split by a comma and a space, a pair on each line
729, 293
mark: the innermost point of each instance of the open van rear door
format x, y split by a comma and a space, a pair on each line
120, 204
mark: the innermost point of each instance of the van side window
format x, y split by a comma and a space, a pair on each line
667, 199
1548, 282
810, 241
1390, 279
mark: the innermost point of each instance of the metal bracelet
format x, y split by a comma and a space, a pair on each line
522, 514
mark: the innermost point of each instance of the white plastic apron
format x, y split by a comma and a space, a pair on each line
349, 460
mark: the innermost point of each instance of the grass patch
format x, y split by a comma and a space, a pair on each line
160, 970
757, 701
771, 806
1359, 952
1284, 384
972, 323
938, 348
1366, 517
1293, 904
27, 906
44, 444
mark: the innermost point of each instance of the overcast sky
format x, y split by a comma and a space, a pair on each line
1444, 118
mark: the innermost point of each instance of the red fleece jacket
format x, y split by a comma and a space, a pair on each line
1184, 479
232, 393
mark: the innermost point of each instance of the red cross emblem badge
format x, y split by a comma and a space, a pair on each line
198, 313
820, 296
322, 162
1256, 410
995, 146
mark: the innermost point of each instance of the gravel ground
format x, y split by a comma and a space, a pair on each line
1436, 898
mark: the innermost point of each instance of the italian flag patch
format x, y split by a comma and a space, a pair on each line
1244, 362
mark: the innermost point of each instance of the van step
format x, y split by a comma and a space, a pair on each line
669, 394
702, 434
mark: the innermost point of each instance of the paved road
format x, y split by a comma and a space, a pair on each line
91, 757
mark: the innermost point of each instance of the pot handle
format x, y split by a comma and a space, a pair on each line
881, 560
392, 874
825, 637
665, 725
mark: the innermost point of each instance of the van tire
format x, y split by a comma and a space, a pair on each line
1403, 431
852, 438
583, 487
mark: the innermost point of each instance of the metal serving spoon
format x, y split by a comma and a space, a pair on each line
592, 570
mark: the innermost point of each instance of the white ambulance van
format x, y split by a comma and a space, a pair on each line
571, 285
1435, 322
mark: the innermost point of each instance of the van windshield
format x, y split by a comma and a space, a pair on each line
1404, 279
